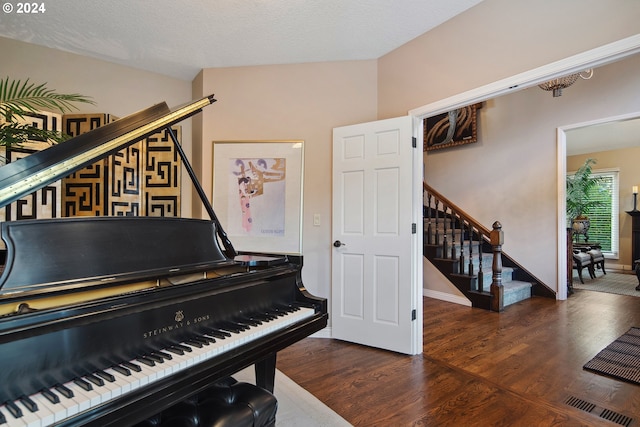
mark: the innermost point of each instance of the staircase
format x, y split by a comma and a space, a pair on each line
471, 257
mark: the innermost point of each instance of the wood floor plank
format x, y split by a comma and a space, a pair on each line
478, 368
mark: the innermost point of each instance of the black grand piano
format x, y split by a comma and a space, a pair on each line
106, 321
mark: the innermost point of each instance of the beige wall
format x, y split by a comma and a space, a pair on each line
626, 161
494, 40
303, 101
116, 89
510, 173
516, 157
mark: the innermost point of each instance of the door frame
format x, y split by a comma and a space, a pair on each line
574, 64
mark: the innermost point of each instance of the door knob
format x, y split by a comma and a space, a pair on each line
338, 243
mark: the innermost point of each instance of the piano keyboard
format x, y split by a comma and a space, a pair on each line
64, 401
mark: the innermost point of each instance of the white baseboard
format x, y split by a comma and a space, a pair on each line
617, 267
446, 297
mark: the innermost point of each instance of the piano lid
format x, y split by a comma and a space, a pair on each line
26, 175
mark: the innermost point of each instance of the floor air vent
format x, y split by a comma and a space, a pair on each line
614, 417
606, 414
580, 404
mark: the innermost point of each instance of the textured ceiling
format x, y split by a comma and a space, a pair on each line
179, 38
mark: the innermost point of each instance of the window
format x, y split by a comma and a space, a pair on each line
604, 228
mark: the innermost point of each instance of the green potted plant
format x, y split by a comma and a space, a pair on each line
580, 188
19, 98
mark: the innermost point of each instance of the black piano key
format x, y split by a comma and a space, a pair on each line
289, 308
217, 333
250, 321
175, 350
182, 347
201, 340
193, 343
268, 315
29, 404
228, 326
83, 384
50, 396
3, 420
207, 338
154, 358
64, 391
164, 355
95, 380
105, 376
131, 366
122, 370
146, 361
240, 323
13, 409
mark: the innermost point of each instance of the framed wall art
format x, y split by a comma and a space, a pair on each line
457, 127
257, 194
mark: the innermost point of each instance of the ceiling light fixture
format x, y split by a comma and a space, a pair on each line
556, 85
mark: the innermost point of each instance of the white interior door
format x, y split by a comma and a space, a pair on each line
377, 224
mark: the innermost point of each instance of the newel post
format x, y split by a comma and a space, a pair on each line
497, 290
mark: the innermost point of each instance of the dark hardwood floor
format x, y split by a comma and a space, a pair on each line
479, 368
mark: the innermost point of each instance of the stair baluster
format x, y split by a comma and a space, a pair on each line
480, 272
429, 230
470, 272
453, 234
436, 234
445, 247
497, 289
461, 246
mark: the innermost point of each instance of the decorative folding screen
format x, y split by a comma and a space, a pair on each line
44, 203
140, 180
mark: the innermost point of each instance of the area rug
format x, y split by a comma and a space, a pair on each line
612, 283
620, 359
296, 406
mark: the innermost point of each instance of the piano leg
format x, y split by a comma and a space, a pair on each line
266, 372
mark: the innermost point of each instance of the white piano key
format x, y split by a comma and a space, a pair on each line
46, 410
91, 398
71, 405
135, 379
123, 382
11, 421
58, 410
29, 418
109, 390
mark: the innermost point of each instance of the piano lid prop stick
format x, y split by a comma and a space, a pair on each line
228, 246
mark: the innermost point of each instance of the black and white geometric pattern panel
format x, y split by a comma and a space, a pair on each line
161, 168
42, 204
140, 180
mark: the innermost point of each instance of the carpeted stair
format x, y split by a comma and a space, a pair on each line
449, 265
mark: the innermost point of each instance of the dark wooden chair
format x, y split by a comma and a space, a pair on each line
597, 259
582, 260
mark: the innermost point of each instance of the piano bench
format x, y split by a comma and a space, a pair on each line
227, 403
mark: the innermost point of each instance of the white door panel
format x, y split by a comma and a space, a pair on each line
374, 286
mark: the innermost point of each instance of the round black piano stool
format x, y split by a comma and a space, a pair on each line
227, 403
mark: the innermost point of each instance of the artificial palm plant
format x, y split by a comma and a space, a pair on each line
580, 189
18, 98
